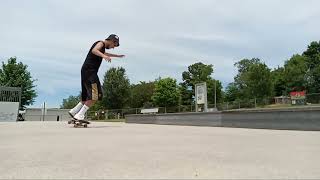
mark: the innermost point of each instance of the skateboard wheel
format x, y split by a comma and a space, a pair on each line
85, 125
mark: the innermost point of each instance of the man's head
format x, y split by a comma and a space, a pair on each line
114, 41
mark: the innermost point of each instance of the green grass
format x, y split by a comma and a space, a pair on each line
281, 106
277, 106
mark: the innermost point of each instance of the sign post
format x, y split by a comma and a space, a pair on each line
201, 96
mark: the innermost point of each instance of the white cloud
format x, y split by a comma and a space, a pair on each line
159, 38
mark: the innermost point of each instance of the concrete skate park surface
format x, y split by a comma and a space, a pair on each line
54, 150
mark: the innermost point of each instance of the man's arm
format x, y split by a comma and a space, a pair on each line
113, 55
97, 52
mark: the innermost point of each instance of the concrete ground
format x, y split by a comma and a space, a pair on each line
42, 150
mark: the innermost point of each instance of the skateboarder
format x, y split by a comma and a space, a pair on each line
90, 84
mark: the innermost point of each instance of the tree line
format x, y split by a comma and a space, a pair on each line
254, 79
118, 93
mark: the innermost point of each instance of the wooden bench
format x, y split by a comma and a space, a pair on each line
150, 111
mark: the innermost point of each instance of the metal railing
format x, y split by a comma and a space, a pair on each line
10, 94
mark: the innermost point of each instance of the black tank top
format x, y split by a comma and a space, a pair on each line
93, 62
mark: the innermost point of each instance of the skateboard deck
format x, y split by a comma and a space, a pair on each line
79, 123
73, 120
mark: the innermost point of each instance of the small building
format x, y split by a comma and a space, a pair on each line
50, 114
298, 97
282, 100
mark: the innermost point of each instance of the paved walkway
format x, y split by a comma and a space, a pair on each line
117, 150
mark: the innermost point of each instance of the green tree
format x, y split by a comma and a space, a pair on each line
14, 74
312, 60
70, 102
253, 79
313, 54
279, 83
232, 93
97, 106
116, 88
211, 83
296, 73
141, 94
185, 94
259, 83
198, 73
166, 92
242, 77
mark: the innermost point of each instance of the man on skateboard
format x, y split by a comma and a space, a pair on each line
90, 84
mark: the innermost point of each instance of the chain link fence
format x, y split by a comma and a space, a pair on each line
268, 102
119, 114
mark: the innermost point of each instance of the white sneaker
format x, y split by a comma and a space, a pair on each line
79, 116
71, 114
75, 110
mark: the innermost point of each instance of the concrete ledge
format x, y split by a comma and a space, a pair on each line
300, 120
307, 118
190, 119
141, 119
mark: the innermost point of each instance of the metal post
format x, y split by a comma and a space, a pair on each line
205, 102
215, 94
20, 94
179, 102
121, 113
196, 96
255, 102
44, 110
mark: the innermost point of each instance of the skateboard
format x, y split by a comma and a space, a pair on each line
79, 123
72, 121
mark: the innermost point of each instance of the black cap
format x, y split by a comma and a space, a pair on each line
114, 38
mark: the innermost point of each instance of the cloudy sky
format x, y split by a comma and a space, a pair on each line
159, 38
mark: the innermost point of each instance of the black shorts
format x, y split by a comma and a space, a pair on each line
91, 87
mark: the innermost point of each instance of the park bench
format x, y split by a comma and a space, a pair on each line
150, 111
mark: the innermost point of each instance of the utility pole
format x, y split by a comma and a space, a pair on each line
215, 94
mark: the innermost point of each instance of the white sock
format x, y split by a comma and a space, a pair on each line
76, 109
83, 110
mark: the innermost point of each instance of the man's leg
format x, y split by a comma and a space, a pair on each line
89, 103
92, 98
94, 93
81, 114
84, 96
76, 109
